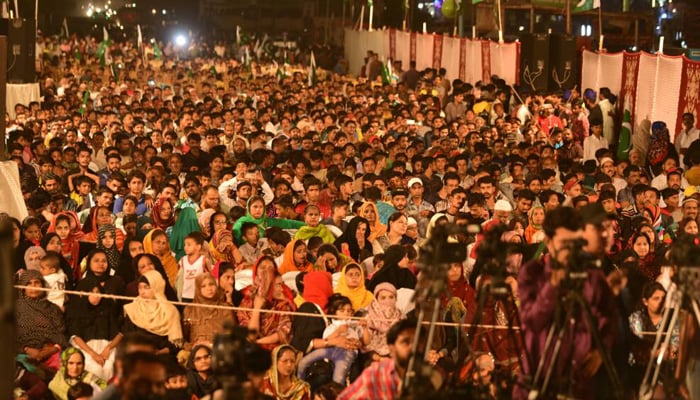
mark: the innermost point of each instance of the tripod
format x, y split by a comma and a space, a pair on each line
683, 301
567, 311
499, 292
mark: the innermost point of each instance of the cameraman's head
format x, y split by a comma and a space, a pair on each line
597, 229
561, 226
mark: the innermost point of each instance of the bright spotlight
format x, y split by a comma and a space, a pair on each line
180, 40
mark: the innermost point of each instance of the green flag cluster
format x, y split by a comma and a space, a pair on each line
624, 144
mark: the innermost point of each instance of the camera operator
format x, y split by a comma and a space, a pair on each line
542, 285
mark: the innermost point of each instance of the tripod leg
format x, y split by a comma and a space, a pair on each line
412, 360
651, 374
431, 332
557, 348
598, 343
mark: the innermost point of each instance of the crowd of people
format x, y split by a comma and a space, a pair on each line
167, 192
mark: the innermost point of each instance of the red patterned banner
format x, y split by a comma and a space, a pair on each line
690, 92
412, 47
486, 60
437, 51
630, 74
392, 44
463, 59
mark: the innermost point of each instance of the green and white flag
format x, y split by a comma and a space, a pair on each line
585, 5
312, 70
157, 53
624, 143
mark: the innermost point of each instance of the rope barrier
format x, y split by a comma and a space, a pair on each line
233, 308
265, 311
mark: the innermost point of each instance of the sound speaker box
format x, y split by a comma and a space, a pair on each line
534, 61
562, 61
21, 45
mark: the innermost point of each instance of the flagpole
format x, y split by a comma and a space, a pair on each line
500, 23
568, 17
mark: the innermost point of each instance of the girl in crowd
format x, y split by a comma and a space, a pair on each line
352, 285
281, 380
94, 327
383, 313
267, 292
73, 371
294, 257
354, 242
97, 267
205, 323
101, 216
51, 242
313, 226
369, 212
223, 249
642, 246
534, 232
66, 225
132, 248
33, 256
156, 243
225, 274
106, 241
151, 314
256, 214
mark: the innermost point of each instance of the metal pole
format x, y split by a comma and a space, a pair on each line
568, 17
636, 33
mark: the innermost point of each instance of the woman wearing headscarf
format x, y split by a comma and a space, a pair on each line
205, 323
295, 258
101, 216
268, 292
204, 220
151, 314
281, 381
156, 243
106, 241
199, 375
143, 263
51, 242
354, 242
93, 327
40, 327
132, 248
307, 331
256, 214
352, 285
395, 270
185, 224
534, 232
162, 214
19, 243
223, 249
97, 266
70, 237
369, 212
72, 372
225, 275
660, 147
33, 256
382, 314
397, 225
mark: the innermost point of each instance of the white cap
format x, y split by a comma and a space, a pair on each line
503, 205
412, 221
413, 181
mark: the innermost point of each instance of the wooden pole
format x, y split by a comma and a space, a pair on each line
568, 17
3, 99
636, 33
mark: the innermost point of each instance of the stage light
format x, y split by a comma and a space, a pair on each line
180, 40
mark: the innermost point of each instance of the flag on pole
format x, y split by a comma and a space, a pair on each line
86, 96
139, 40
157, 53
105, 34
238, 35
78, 55
386, 78
115, 71
64, 28
624, 144
585, 5
312, 70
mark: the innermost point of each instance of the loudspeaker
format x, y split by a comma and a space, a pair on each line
21, 45
534, 61
562, 62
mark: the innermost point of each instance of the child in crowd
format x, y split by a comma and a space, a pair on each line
253, 246
50, 268
82, 193
176, 384
344, 337
313, 227
192, 264
277, 241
